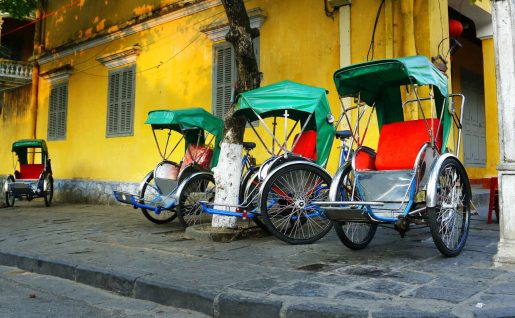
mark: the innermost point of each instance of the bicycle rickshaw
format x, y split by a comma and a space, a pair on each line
413, 177
279, 195
34, 177
159, 192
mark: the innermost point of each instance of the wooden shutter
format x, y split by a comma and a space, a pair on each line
57, 112
223, 78
120, 102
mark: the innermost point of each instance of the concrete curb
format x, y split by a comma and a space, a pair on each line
218, 304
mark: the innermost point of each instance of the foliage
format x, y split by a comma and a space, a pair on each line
18, 8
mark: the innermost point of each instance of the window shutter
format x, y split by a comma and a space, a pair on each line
224, 75
57, 112
120, 104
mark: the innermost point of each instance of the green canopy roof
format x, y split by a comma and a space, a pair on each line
379, 82
29, 143
189, 121
300, 100
20, 148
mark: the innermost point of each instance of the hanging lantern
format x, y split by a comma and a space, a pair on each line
455, 28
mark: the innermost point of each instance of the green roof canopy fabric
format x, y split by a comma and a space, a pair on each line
188, 122
379, 82
20, 148
300, 100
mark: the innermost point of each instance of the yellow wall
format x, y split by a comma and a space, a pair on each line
185, 80
298, 42
480, 60
14, 124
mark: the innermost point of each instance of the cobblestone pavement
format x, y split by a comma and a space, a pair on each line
116, 248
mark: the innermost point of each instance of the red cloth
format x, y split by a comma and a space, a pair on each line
399, 143
31, 171
307, 145
199, 154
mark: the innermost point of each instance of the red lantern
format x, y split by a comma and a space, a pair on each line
455, 28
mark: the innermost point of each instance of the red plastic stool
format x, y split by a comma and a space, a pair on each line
494, 200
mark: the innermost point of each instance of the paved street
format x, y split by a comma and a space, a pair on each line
116, 248
24, 294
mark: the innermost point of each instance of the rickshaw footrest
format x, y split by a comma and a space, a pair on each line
346, 214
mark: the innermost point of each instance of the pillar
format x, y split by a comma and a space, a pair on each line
503, 14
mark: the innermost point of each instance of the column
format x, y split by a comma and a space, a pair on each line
503, 15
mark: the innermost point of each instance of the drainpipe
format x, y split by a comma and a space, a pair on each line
35, 69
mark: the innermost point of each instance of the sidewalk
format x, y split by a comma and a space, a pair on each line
117, 249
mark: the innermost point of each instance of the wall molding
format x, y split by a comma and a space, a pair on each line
120, 58
58, 75
172, 16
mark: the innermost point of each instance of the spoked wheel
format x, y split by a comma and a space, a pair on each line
199, 188
449, 220
9, 197
150, 193
286, 206
48, 188
354, 235
251, 197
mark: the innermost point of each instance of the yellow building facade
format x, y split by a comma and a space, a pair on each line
167, 54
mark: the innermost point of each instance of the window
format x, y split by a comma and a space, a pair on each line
120, 102
57, 112
224, 76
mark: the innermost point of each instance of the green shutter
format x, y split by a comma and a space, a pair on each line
120, 102
57, 112
224, 76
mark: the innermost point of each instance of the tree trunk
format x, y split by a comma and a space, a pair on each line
228, 171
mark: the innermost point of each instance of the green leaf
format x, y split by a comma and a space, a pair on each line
18, 8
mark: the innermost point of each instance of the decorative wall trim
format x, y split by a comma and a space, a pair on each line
217, 31
58, 75
120, 58
172, 16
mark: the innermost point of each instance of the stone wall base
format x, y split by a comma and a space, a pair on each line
83, 191
90, 191
505, 254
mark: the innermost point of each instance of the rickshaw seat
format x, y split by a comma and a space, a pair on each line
201, 154
400, 142
31, 171
307, 144
248, 145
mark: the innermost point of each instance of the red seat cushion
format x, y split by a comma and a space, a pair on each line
307, 145
399, 143
364, 161
31, 171
201, 154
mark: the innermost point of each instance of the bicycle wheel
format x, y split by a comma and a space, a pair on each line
354, 235
9, 197
149, 192
251, 198
48, 193
200, 187
449, 220
286, 206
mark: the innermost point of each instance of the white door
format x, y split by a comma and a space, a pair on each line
474, 137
